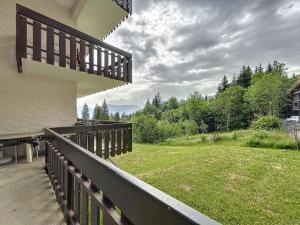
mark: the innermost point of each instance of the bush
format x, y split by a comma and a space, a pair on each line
190, 127
203, 138
266, 123
168, 130
145, 129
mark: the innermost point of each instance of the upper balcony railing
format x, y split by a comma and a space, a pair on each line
92, 191
125, 4
47, 40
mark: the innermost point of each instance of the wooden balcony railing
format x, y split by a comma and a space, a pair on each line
125, 4
105, 139
92, 191
52, 42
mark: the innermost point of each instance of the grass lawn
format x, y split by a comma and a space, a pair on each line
226, 181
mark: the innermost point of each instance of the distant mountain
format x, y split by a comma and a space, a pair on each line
127, 109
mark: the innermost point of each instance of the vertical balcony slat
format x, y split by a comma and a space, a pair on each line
95, 212
65, 188
130, 140
119, 67
85, 207
56, 172
99, 61
106, 144
62, 176
82, 56
99, 144
77, 199
113, 144
83, 141
37, 53
113, 59
106, 63
124, 148
109, 204
50, 45
125, 69
62, 49
91, 145
119, 142
73, 52
21, 36
130, 71
70, 193
91, 58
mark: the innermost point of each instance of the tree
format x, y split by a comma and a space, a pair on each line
97, 112
259, 69
117, 116
105, 111
232, 108
157, 100
244, 78
85, 112
171, 103
268, 94
223, 85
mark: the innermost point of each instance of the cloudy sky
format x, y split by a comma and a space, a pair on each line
182, 46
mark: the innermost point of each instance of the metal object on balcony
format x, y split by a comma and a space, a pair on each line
67, 47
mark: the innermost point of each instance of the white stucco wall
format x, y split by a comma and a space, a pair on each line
30, 103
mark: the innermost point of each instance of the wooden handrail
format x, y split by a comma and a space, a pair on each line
109, 187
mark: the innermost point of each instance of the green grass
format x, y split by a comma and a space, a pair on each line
226, 180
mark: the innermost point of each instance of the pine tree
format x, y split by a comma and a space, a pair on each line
105, 111
259, 69
117, 116
157, 100
223, 85
85, 112
244, 78
269, 68
234, 81
97, 112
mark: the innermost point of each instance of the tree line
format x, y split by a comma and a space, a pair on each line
102, 113
248, 96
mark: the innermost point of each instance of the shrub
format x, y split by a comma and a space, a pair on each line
145, 129
190, 127
168, 130
203, 138
234, 136
266, 123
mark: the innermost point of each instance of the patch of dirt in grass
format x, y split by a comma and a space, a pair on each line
233, 180
277, 167
186, 187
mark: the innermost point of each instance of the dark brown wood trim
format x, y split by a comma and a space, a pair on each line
22, 10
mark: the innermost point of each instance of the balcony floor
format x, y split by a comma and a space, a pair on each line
27, 197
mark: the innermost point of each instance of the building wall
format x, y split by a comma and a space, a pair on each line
30, 103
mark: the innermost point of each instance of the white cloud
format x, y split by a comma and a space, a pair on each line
182, 46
